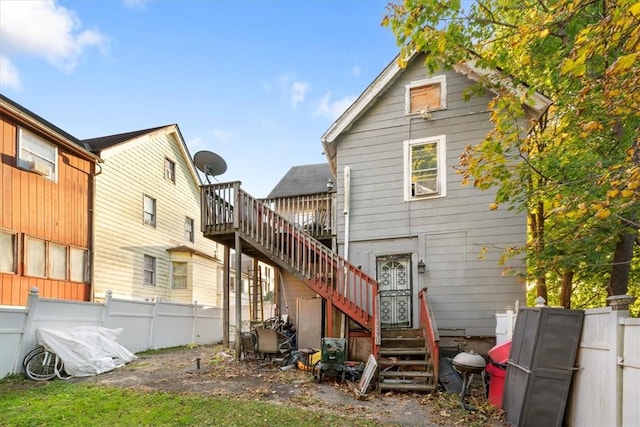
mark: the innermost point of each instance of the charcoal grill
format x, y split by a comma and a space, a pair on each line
468, 364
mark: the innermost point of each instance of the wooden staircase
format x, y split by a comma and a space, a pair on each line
404, 362
228, 212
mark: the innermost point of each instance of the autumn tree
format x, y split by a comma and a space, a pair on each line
575, 169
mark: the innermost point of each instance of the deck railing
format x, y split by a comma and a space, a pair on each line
313, 212
429, 330
227, 208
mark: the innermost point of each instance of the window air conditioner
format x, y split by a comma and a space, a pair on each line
426, 187
40, 167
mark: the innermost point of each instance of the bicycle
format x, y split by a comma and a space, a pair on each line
41, 364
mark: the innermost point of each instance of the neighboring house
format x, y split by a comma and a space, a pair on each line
394, 151
47, 179
148, 242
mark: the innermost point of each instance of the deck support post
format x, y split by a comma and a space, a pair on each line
238, 289
226, 284
329, 314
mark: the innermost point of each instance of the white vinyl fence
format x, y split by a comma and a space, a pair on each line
145, 325
605, 385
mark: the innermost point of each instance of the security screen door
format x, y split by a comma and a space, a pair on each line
394, 279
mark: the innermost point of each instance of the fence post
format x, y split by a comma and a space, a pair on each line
32, 308
195, 322
153, 322
107, 309
619, 310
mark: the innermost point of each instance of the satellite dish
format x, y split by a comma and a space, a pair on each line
209, 163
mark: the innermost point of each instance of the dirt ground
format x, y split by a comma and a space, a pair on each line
176, 371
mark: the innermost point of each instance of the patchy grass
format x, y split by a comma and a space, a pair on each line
59, 403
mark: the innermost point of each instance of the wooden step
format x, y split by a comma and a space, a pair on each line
401, 352
404, 374
405, 386
394, 362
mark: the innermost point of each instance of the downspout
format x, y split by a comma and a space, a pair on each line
92, 252
347, 205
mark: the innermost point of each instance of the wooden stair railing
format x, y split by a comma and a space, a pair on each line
429, 331
227, 208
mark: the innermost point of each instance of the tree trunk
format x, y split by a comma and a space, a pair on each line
541, 288
619, 277
565, 290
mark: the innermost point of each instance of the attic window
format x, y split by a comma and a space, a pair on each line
426, 95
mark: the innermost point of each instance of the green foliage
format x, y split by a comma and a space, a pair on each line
575, 169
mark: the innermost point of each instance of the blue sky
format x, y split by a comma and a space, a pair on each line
257, 82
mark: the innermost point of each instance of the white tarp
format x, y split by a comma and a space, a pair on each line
86, 350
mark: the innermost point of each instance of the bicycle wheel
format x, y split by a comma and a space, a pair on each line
42, 366
38, 349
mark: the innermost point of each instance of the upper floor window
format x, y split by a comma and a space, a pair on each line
37, 155
424, 96
149, 270
425, 163
149, 211
169, 170
188, 229
8, 252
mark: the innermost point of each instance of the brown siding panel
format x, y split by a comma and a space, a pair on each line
53, 211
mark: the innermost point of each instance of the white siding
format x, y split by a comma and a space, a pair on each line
121, 239
466, 286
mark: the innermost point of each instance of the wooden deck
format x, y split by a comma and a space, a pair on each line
268, 236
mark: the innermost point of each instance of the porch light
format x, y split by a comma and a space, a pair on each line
421, 267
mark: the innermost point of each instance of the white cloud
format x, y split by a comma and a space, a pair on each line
332, 109
294, 91
41, 28
9, 77
298, 91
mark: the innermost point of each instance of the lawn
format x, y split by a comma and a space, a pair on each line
59, 403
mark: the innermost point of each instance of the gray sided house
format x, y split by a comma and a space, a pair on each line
408, 220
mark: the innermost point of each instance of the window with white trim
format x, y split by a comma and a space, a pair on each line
424, 96
149, 207
169, 170
8, 251
149, 270
188, 229
178, 275
37, 155
425, 163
